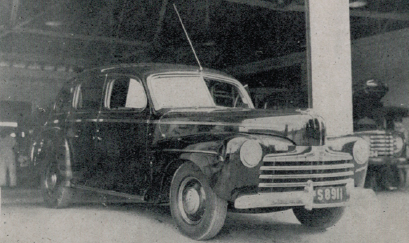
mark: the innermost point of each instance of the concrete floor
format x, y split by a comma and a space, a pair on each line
380, 217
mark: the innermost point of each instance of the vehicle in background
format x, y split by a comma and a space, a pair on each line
192, 139
278, 99
14, 116
381, 127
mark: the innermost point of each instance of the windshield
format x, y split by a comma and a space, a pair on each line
179, 92
196, 92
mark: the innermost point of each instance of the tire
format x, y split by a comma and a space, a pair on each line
199, 213
372, 181
53, 189
389, 177
320, 218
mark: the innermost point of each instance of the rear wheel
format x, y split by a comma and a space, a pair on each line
53, 189
197, 210
320, 218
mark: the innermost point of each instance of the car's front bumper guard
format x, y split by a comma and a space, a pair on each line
284, 199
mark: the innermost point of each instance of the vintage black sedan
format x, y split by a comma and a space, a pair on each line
191, 138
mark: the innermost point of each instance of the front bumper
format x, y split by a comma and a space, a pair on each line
387, 161
288, 199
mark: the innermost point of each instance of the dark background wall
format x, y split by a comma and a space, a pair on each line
385, 58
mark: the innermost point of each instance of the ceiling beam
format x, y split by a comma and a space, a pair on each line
62, 35
268, 64
270, 5
380, 15
28, 58
294, 7
27, 75
300, 57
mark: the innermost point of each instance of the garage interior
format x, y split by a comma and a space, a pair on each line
262, 43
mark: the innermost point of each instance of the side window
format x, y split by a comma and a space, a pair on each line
225, 94
127, 93
89, 93
63, 102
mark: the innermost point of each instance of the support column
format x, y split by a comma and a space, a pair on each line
329, 63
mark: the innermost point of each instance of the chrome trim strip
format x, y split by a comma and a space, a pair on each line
196, 123
303, 176
305, 161
190, 151
360, 169
380, 137
382, 142
309, 167
302, 184
383, 148
82, 120
316, 153
138, 121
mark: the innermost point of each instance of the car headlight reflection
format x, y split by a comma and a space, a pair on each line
361, 151
251, 153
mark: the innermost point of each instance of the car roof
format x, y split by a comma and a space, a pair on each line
145, 69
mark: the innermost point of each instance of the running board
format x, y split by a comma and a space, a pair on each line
111, 193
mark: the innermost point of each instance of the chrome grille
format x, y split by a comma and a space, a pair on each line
291, 171
382, 145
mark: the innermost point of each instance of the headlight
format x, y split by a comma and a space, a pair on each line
361, 151
398, 146
251, 153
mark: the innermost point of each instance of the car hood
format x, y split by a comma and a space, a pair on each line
301, 127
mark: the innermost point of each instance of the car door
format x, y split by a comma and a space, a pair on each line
81, 127
122, 135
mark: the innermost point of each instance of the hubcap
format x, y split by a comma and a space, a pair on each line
191, 200
51, 178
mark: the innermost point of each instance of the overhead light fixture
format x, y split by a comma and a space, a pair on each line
53, 23
357, 3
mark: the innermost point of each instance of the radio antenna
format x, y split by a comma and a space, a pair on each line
187, 36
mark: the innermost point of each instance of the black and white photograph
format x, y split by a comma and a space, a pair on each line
178, 121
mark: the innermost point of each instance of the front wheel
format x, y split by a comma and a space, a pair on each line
320, 218
197, 210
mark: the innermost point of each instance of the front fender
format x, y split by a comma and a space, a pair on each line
346, 144
205, 155
224, 174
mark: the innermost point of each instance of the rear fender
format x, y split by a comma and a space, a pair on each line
61, 145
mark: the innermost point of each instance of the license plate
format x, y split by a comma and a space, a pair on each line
330, 195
